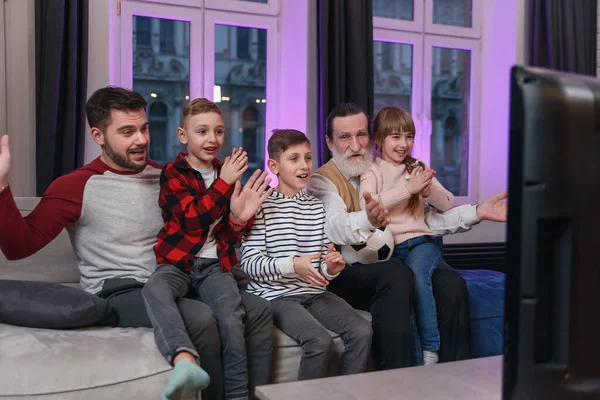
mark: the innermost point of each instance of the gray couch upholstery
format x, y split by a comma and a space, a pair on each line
94, 363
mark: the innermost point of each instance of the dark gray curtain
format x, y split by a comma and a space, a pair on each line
562, 35
345, 40
61, 78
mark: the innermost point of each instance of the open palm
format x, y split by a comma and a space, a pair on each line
493, 208
4, 160
246, 201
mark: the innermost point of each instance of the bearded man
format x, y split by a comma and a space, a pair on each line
386, 289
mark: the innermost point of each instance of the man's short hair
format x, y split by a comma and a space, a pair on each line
283, 139
343, 110
104, 100
199, 106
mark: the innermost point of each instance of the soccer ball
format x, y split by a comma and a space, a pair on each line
379, 247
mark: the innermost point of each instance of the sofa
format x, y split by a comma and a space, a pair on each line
124, 363
99, 362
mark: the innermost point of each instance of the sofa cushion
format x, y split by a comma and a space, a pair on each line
486, 302
51, 305
486, 292
36, 362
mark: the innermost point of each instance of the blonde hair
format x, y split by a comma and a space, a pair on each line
389, 120
198, 106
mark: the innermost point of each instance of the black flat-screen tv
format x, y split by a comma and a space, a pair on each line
552, 317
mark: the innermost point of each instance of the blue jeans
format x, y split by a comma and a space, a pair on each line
423, 255
220, 292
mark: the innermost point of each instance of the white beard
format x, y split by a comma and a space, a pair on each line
352, 169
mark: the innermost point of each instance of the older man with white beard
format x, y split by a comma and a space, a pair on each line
386, 289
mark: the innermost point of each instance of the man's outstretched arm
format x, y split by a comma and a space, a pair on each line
493, 208
463, 218
21, 237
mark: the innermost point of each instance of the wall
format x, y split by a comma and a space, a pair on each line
101, 60
18, 88
522, 46
297, 70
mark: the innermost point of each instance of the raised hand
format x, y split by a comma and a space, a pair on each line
427, 189
419, 180
246, 201
377, 214
334, 261
493, 208
234, 166
305, 269
4, 161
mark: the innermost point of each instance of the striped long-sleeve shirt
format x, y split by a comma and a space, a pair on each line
284, 228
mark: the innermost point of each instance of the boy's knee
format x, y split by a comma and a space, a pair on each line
322, 343
364, 331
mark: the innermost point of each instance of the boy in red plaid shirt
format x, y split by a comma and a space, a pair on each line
205, 210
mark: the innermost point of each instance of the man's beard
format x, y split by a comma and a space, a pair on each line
352, 169
121, 159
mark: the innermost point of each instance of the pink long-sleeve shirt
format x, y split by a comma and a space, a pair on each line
388, 181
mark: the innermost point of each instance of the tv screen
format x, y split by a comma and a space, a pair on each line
552, 317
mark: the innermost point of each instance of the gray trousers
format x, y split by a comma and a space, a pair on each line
219, 291
306, 318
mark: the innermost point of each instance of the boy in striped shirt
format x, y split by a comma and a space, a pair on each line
290, 262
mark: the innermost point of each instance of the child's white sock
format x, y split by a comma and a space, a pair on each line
430, 357
186, 377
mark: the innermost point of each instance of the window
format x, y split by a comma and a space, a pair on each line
161, 73
158, 118
174, 51
142, 32
244, 64
453, 13
396, 9
241, 81
167, 36
427, 62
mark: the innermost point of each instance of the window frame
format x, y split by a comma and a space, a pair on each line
184, 3
473, 32
416, 25
417, 42
473, 45
440, 36
129, 9
212, 18
246, 7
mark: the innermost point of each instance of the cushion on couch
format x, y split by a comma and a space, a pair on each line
486, 303
52, 305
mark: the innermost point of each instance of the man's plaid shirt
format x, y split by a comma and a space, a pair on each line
189, 209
